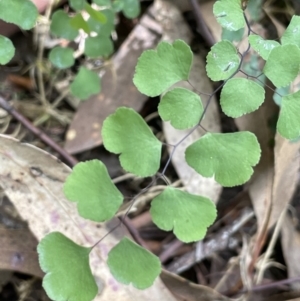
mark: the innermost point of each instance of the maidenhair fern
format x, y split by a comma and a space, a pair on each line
228, 157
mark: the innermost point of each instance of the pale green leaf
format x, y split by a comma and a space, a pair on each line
78, 22
98, 46
261, 46
102, 2
7, 50
255, 7
292, 32
231, 36
95, 14
117, 5
68, 273
131, 8
126, 133
222, 61
282, 65
85, 84
130, 263
90, 186
229, 14
240, 96
182, 107
288, 124
159, 69
20, 12
62, 57
187, 214
279, 92
228, 157
103, 29
61, 27
77, 4
253, 67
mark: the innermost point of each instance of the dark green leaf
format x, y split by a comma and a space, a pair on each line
78, 22
131, 8
7, 50
62, 57
126, 133
117, 5
182, 107
228, 157
61, 27
97, 15
20, 12
103, 29
77, 4
98, 46
100, 199
85, 84
68, 273
102, 2
130, 263
159, 69
187, 214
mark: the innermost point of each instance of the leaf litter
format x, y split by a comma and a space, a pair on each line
275, 180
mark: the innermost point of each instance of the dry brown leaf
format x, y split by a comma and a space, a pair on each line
18, 252
21, 81
33, 179
290, 240
175, 27
278, 25
275, 178
260, 186
210, 20
188, 291
117, 88
184, 5
5, 277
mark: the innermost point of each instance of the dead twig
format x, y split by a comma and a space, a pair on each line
37, 132
201, 26
217, 243
134, 232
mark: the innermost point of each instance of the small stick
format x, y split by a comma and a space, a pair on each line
201, 26
220, 241
134, 232
275, 284
172, 248
37, 132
